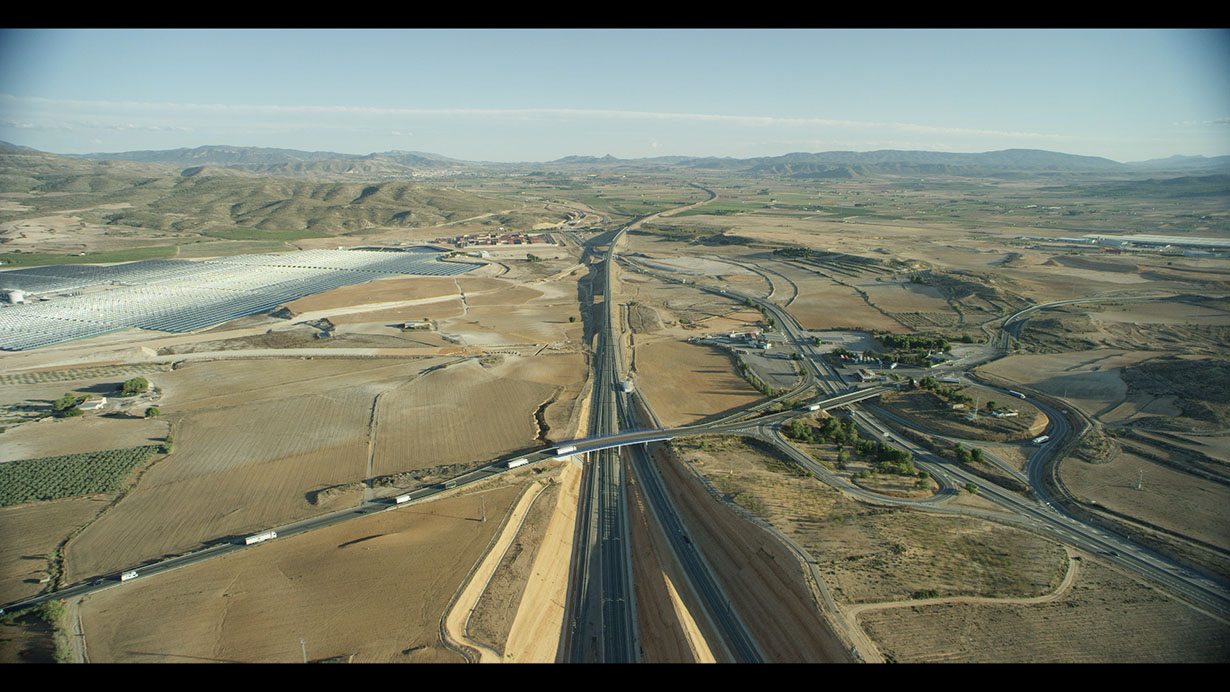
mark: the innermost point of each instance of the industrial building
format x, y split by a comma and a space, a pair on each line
1186, 246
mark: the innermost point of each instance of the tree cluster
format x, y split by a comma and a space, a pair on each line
66, 406
888, 458
951, 394
760, 385
134, 386
793, 252
965, 456
911, 348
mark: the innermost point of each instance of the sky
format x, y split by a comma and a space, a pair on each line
537, 95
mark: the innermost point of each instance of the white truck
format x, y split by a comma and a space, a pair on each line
1016, 394
814, 407
130, 574
1041, 439
260, 537
400, 499
565, 451
518, 462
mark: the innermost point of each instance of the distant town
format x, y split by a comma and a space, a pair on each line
498, 238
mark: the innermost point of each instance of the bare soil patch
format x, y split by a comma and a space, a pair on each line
666, 634
379, 291
506, 295
823, 303
903, 296
29, 640
1089, 380
531, 323
410, 313
88, 433
534, 636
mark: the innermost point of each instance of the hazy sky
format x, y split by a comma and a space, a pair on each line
536, 95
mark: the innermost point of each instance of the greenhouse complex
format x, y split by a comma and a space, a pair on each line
66, 302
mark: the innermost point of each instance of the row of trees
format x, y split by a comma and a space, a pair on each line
769, 321
760, 385
793, 252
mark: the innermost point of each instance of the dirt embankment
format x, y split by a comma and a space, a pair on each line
761, 577
497, 606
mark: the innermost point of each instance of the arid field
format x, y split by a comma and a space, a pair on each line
252, 441
1106, 617
256, 605
685, 382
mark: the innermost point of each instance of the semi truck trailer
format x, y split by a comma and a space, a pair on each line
260, 537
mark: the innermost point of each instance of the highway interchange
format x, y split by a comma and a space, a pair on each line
601, 622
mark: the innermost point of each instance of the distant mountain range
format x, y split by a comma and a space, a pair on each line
1183, 163
830, 164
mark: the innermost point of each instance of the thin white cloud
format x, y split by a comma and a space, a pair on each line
530, 114
1201, 123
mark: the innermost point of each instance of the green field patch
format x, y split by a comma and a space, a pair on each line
253, 234
722, 208
34, 259
220, 248
857, 211
71, 475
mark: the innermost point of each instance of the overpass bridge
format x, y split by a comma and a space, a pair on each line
636, 437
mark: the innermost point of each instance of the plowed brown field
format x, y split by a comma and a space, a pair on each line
686, 382
374, 588
29, 532
460, 414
